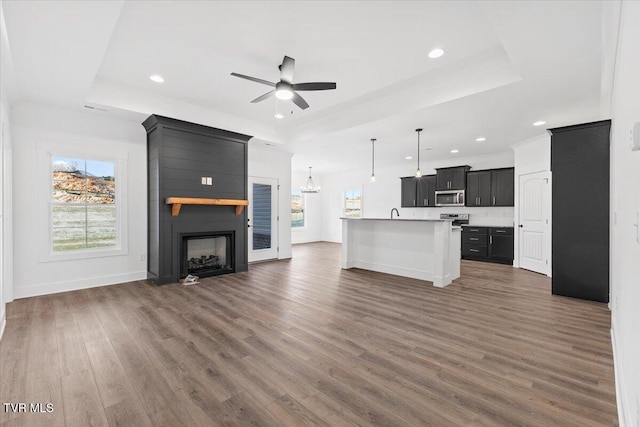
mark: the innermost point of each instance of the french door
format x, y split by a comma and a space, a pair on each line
263, 218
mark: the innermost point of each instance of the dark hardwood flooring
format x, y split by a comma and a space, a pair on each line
302, 342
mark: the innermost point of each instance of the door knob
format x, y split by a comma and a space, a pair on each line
520, 226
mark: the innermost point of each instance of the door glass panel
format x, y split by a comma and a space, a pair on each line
261, 216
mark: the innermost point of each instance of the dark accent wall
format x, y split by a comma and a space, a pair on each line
179, 155
580, 215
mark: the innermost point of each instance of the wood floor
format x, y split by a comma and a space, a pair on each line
302, 342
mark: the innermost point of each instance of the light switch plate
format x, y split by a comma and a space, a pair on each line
635, 137
204, 180
209, 181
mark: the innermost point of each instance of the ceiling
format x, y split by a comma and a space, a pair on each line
506, 65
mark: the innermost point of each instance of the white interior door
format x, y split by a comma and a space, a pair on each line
263, 218
534, 225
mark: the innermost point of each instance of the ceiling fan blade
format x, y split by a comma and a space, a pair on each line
299, 101
314, 86
286, 69
263, 97
254, 79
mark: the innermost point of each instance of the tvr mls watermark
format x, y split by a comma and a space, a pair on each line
28, 407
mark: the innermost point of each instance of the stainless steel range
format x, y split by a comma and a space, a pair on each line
458, 219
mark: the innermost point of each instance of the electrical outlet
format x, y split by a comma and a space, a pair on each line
204, 180
209, 181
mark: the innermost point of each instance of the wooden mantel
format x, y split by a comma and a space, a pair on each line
177, 203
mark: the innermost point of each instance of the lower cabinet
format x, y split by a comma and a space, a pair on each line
492, 244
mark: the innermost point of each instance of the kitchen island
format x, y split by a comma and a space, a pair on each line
421, 249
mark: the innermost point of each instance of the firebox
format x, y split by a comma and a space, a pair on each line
207, 254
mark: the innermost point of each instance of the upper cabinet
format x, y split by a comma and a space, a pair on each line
490, 187
418, 192
502, 187
427, 191
451, 178
478, 188
409, 192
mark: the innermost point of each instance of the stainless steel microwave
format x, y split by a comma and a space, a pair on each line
450, 198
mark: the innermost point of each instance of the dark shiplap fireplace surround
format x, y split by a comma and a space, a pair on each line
180, 154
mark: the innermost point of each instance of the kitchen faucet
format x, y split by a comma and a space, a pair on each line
397, 213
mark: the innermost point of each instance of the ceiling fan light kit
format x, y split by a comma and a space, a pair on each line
285, 89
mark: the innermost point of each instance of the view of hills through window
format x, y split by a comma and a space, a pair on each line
83, 214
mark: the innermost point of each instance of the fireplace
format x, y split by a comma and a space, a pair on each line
191, 161
207, 254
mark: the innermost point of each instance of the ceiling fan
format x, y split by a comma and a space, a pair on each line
285, 89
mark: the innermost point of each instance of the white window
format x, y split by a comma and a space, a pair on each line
83, 204
352, 203
297, 209
85, 214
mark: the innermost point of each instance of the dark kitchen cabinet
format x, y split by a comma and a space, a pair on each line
492, 187
491, 244
418, 192
427, 191
454, 178
580, 218
409, 192
501, 244
502, 187
479, 188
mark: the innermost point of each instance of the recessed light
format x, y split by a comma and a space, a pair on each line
481, 139
279, 116
408, 158
156, 78
436, 53
539, 123
454, 151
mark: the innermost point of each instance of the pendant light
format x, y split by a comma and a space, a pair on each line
310, 186
418, 173
373, 159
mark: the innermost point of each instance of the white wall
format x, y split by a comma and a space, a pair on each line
313, 209
6, 287
625, 280
384, 194
531, 156
268, 162
7, 87
36, 127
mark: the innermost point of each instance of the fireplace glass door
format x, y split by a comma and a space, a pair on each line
207, 255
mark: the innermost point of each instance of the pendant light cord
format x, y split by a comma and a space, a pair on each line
373, 156
418, 174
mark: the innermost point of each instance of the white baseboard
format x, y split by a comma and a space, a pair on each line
73, 285
285, 255
398, 271
623, 417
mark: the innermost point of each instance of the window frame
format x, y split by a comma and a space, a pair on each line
45, 177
